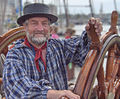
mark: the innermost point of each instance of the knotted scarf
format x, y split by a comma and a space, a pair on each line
38, 53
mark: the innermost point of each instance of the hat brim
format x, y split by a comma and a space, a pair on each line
23, 18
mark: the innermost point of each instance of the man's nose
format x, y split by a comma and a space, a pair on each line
40, 27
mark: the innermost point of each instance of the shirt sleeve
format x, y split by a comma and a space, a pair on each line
76, 49
18, 85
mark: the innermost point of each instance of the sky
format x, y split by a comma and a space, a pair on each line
77, 6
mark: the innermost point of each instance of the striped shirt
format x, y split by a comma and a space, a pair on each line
21, 78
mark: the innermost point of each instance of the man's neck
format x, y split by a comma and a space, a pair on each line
37, 46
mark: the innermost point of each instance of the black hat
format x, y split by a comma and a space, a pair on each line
36, 10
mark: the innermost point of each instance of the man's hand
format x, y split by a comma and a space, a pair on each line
97, 24
61, 94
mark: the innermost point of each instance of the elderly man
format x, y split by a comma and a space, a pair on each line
35, 68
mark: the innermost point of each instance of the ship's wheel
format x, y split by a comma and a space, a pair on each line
100, 75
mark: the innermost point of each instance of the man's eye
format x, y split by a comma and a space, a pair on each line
45, 24
34, 23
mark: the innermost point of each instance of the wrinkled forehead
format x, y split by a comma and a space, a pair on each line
39, 19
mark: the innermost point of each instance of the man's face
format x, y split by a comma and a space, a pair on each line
38, 30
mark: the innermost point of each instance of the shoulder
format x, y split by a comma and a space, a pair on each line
55, 42
17, 47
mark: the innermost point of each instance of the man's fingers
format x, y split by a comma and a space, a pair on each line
71, 95
87, 27
91, 21
97, 25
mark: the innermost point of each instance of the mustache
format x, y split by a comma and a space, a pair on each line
38, 32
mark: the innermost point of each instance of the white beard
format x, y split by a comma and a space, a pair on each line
36, 40
39, 41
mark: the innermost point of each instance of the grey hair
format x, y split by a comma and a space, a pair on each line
26, 22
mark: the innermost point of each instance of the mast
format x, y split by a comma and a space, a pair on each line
115, 4
20, 7
91, 8
3, 6
101, 10
60, 11
66, 12
36, 1
42, 1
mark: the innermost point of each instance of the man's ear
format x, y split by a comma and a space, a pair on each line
24, 25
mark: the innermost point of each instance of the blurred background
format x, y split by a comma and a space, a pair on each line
71, 13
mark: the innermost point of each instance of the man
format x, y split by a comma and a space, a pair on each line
35, 68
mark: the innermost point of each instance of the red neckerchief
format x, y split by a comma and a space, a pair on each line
67, 37
38, 54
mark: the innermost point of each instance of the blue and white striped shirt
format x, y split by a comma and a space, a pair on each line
21, 78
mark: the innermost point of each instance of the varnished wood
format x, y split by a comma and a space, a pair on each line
89, 72
7, 38
111, 52
110, 62
83, 75
101, 83
113, 29
0, 80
